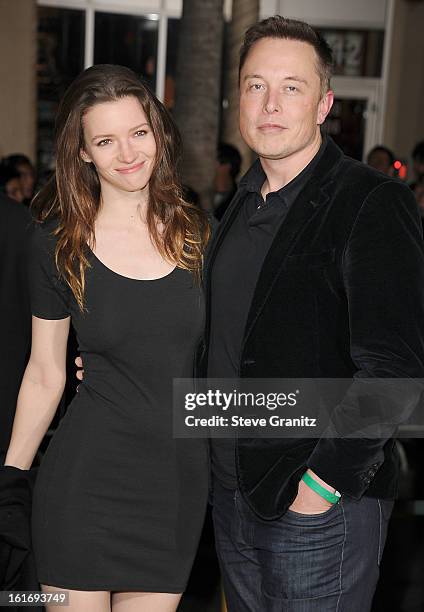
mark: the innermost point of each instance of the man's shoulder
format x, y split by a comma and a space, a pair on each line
15, 222
13, 212
359, 181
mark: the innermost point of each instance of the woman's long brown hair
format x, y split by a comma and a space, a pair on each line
72, 195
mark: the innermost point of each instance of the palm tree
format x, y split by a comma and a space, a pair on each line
197, 109
244, 14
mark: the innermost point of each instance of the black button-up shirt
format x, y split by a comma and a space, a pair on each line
234, 276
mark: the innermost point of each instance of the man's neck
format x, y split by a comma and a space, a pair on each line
279, 172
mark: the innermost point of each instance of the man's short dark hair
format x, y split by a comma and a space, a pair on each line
291, 29
227, 154
7, 174
418, 152
382, 149
16, 160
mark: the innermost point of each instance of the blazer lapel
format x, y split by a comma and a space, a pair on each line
313, 196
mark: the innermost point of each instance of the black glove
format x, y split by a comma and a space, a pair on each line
15, 523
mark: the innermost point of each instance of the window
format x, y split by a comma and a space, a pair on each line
127, 40
356, 52
60, 60
346, 125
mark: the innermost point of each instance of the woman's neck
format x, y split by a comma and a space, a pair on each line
122, 207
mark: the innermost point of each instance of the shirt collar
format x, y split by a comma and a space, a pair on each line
255, 176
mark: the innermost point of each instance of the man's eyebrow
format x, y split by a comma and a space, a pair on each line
252, 76
298, 79
137, 127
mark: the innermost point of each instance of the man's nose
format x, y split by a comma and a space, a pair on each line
126, 152
272, 102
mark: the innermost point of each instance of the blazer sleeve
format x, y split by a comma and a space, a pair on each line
383, 275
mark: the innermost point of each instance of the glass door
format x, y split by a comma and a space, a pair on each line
355, 119
60, 60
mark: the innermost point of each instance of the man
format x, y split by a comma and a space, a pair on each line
22, 165
10, 183
228, 165
17, 569
15, 329
316, 270
417, 163
382, 159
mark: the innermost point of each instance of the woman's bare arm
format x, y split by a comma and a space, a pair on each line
41, 389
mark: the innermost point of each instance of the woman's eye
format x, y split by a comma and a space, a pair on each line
140, 132
104, 142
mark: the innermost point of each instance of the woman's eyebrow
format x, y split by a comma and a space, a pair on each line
130, 130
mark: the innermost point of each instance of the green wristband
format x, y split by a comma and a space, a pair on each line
333, 498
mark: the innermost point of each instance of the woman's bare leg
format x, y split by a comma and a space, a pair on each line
145, 602
80, 601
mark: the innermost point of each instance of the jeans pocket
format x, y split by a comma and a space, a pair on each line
317, 516
301, 556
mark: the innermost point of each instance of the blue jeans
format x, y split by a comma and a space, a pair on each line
325, 562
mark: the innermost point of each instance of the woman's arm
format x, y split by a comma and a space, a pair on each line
41, 389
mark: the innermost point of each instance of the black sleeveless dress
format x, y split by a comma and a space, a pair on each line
119, 503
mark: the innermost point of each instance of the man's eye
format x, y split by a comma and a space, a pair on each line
104, 142
256, 86
291, 88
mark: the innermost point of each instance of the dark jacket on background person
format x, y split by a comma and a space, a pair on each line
340, 295
15, 326
17, 569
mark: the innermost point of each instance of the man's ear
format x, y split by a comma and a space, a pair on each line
85, 157
324, 107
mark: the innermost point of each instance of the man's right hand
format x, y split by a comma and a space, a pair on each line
80, 371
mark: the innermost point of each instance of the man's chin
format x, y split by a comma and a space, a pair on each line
270, 151
274, 155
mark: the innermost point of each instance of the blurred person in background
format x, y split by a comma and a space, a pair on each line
23, 166
382, 159
227, 169
15, 332
417, 163
419, 195
17, 569
10, 183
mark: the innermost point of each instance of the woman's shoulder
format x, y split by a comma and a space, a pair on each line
43, 235
47, 228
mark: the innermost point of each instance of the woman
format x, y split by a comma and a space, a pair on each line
118, 504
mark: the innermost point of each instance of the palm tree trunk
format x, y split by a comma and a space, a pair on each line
244, 14
198, 95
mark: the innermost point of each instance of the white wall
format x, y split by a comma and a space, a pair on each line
352, 13
18, 24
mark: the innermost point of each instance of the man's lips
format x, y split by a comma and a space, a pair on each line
271, 127
130, 169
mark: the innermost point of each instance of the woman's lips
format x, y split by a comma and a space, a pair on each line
130, 169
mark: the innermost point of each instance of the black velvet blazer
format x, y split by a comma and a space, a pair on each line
340, 295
